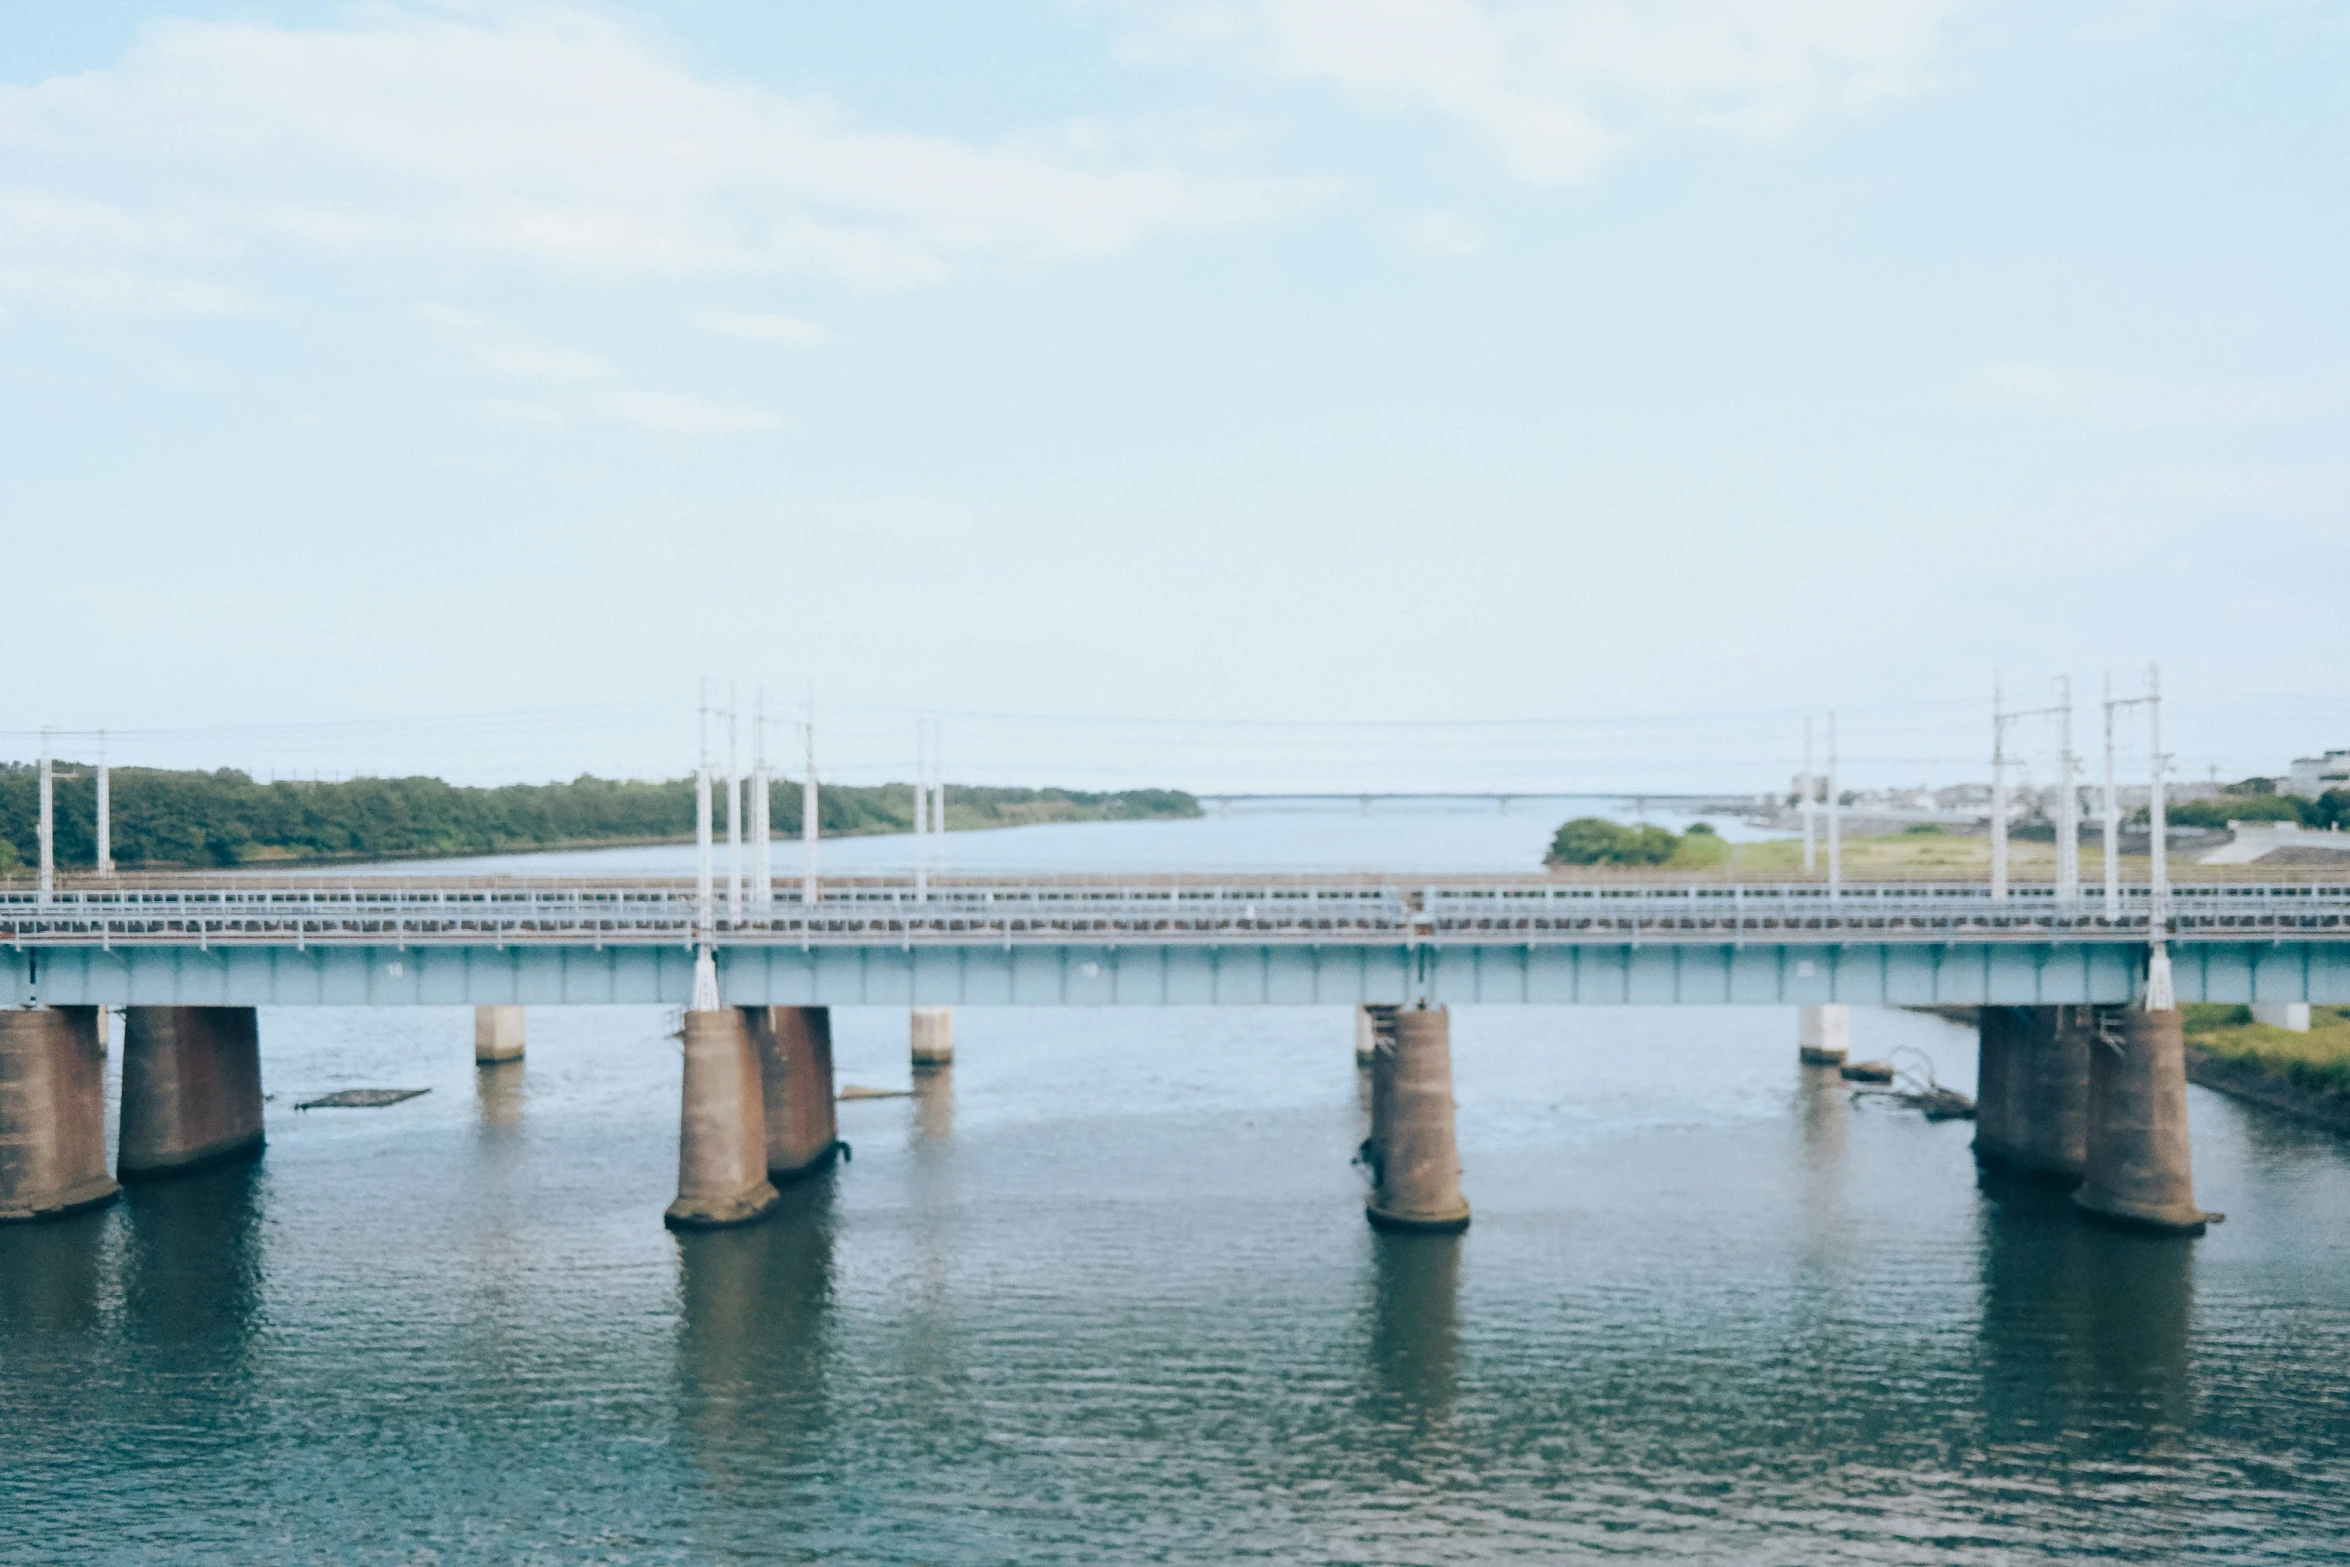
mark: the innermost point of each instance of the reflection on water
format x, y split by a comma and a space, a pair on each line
752, 1330
49, 1283
497, 1095
193, 1270
1825, 1109
1104, 1293
2084, 1327
1415, 1325
934, 1107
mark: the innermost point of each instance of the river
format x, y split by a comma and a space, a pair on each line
1105, 1294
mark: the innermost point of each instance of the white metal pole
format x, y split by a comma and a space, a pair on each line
921, 803
734, 808
2113, 817
1998, 796
2158, 976
938, 786
704, 912
105, 812
762, 815
48, 830
2157, 829
810, 888
1835, 817
1810, 789
2068, 802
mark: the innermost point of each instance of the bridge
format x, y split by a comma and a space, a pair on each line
1156, 941
2082, 1076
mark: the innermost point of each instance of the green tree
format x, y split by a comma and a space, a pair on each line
224, 818
1594, 840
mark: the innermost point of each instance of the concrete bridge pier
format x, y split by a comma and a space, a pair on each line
1373, 1021
191, 1089
2138, 1173
2032, 1091
722, 1124
497, 1035
1823, 1034
52, 1113
795, 1061
1415, 1164
934, 1038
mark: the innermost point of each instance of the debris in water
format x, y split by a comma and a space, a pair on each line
1937, 1103
1914, 1088
860, 1091
1868, 1071
361, 1098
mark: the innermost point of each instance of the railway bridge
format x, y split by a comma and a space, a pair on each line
2083, 1058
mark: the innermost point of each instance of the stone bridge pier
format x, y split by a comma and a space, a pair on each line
52, 1113
1414, 1161
2032, 1091
756, 1106
2137, 1172
191, 1089
2093, 1097
933, 1038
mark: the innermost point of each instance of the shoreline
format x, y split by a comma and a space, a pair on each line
2254, 1085
269, 862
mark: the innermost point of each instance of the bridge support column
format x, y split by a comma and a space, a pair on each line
2138, 1171
722, 1125
795, 1060
2032, 1091
497, 1035
52, 1113
1373, 1021
934, 1038
191, 1089
1415, 1164
1823, 1034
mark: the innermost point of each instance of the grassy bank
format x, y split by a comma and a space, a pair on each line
1907, 856
179, 819
2319, 1059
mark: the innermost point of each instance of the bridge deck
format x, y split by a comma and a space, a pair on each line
1167, 940
500, 911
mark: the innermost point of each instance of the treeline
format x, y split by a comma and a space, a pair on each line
2330, 809
1594, 840
162, 818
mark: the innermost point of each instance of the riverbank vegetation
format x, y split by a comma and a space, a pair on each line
1908, 855
2256, 800
1594, 840
164, 818
2319, 1059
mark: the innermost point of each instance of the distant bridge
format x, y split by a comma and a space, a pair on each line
1724, 804
1169, 940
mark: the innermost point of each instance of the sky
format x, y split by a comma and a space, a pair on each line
1226, 394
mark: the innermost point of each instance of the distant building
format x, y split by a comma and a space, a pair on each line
2314, 775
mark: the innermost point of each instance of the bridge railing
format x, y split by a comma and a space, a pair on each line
308, 913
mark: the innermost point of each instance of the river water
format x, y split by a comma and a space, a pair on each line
1105, 1293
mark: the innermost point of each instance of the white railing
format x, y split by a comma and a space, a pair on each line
1160, 910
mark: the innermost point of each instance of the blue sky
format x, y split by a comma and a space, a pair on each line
1661, 370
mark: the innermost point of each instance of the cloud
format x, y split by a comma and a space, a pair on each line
681, 413
78, 256
2311, 491
1556, 88
1441, 235
757, 328
422, 144
486, 345
2143, 401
